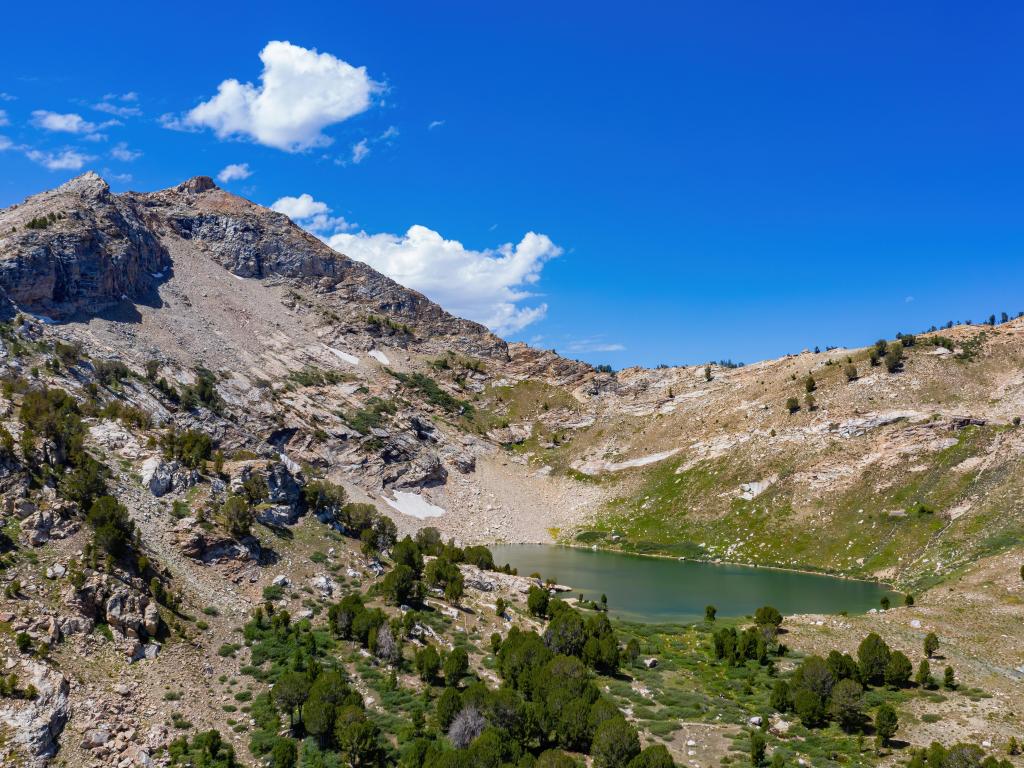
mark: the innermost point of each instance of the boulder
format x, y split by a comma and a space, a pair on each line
125, 612
56, 571
155, 476
512, 434
323, 584
151, 619
465, 463
425, 469
54, 521
276, 515
211, 547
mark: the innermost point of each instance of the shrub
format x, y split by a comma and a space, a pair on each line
238, 516
537, 600
456, 665
207, 749
948, 679
757, 748
615, 743
768, 615
111, 372
898, 670
428, 663
113, 529
894, 358
847, 704
886, 723
68, 354
23, 642
400, 585
873, 657
792, 405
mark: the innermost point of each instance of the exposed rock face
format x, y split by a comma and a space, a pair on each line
162, 477
35, 725
121, 604
98, 249
210, 547
254, 242
282, 487
54, 521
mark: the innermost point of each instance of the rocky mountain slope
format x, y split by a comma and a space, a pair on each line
906, 474
178, 350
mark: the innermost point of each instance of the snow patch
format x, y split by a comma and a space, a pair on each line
379, 356
413, 504
345, 356
596, 466
751, 490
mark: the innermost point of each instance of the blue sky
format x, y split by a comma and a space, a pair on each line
726, 180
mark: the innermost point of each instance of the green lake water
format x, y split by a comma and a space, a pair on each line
653, 589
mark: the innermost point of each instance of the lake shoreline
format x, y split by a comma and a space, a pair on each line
784, 569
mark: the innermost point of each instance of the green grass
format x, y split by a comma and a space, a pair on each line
889, 519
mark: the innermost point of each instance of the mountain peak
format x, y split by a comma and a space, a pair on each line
197, 185
89, 183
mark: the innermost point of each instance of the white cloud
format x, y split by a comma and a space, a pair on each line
234, 172
311, 214
67, 160
435, 124
116, 109
301, 92
55, 121
359, 151
390, 133
5, 143
123, 153
4, 120
70, 122
487, 286
6, 97
909, 299
593, 344
121, 178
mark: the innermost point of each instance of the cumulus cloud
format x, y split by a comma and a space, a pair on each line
4, 120
70, 122
234, 172
67, 123
5, 143
67, 160
311, 214
359, 151
488, 286
300, 93
122, 152
435, 124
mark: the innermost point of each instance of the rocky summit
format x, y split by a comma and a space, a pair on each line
216, 433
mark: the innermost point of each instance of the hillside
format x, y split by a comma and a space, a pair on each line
268, 418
